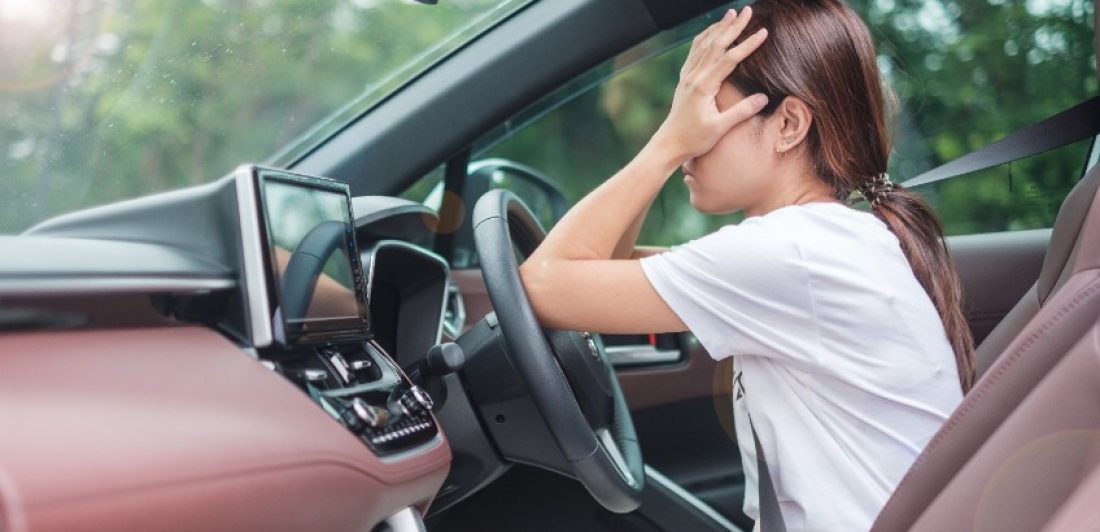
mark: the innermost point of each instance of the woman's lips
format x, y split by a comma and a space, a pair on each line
689, 173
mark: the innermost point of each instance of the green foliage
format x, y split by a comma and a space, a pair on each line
106, 100
964, 74
102, 100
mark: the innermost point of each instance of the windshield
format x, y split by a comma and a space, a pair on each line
103, 100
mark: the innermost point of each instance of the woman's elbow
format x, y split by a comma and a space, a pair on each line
538, 283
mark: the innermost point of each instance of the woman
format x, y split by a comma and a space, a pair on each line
851, 348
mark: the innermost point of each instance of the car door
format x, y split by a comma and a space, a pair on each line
997, 221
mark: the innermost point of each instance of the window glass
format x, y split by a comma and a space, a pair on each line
964, 74
102, 100
587, 131
968, 73
428, 189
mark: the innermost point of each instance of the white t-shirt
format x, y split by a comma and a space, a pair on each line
841, 361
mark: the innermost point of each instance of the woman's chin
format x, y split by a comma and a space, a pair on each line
697, 203
700, 202
704, 207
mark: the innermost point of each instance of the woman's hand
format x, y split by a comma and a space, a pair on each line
574, 279
694, 124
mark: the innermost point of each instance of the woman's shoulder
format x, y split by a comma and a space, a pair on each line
752, 243
825, 223
815, 213
793, 231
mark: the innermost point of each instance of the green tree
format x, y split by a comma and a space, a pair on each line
964, 74
108, 100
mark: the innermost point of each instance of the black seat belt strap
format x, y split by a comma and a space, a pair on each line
771, 520
1076, 123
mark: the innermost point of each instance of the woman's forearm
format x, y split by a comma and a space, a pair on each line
594, 227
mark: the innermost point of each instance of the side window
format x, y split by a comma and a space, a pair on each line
959, 83
962, 82
588, 134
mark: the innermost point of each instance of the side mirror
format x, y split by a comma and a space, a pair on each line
540, 194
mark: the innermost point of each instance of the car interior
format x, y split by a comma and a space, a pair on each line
339, 339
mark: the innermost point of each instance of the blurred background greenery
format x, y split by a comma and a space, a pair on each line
964, 74
103, 100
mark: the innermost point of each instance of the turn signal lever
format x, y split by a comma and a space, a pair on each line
441, 360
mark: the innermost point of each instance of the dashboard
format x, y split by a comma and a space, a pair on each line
265, 345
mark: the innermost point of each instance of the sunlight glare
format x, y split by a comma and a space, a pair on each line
25, 11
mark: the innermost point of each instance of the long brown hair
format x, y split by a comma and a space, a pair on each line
821, 52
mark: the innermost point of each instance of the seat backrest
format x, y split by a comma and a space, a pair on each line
1069, 309
1036, 459
1079, 512
1057, 267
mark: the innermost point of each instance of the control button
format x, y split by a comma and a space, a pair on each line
341, 365
313, 375
373, 417
359, 365
421, 396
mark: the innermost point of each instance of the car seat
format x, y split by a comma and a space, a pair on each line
1032, 339
1035, 460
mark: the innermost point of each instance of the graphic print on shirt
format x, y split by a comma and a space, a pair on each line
743, 433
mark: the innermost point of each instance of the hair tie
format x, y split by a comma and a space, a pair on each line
874, 188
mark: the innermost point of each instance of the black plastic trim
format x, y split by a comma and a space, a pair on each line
440, 113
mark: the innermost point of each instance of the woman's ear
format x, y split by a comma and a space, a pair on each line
792, 119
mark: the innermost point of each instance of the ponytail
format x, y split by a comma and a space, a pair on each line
921, 237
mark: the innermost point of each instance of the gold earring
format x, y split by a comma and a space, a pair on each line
786, 142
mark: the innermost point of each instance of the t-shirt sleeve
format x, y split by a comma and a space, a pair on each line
741, 290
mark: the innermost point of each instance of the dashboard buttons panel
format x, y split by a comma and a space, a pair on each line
364, 390
405, 432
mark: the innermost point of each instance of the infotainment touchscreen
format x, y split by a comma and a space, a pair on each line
313, 258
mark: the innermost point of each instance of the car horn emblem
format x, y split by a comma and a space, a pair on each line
592, 349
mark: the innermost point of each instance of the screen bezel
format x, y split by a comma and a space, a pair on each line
322, 330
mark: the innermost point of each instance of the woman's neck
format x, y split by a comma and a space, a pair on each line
792, 188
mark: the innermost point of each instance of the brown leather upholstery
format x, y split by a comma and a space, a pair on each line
175, 428
1079, 512
1057, 266
1033, 462
1068, 306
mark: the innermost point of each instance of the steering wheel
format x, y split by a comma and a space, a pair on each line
569, 375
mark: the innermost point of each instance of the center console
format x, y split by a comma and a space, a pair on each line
320, 320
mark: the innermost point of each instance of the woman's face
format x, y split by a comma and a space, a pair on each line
736, 173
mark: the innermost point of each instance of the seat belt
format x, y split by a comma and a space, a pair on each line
771, 520
1076, 123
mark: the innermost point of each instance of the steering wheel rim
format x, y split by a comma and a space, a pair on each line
606, 460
